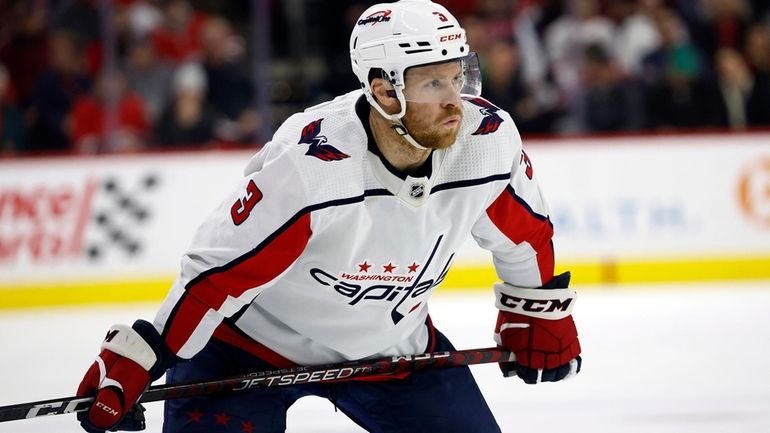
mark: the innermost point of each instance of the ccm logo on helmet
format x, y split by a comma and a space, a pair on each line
535, 305
447, 38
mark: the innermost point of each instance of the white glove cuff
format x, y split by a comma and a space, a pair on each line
126, 342
550, 304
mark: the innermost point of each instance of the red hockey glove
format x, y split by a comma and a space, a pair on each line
537, 326
131, 358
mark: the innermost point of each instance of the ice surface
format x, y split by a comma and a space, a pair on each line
666, 359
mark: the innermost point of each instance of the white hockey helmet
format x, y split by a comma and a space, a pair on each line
396, 36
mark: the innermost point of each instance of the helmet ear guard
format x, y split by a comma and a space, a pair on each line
379, 73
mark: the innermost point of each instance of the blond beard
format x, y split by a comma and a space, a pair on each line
427, 133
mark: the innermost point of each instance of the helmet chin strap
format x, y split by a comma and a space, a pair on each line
400, 129
395, 119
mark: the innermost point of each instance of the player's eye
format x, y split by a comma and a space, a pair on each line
458, 80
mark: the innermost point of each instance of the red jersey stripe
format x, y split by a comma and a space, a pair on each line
188, 315
512, 216
228, 335
252, 270
431, 335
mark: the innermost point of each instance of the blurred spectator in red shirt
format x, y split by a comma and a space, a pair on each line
89, 118
178, 38
11, 123
55, 91
187, 120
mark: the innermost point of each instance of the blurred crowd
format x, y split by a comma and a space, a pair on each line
98, 76
599, 66
161, 74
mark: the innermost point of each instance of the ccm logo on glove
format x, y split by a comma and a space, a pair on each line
550, 304
106, 408
535, 305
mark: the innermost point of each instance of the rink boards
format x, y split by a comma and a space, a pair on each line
625, 210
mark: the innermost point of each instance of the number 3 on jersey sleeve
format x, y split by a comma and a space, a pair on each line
525, 159
242, 207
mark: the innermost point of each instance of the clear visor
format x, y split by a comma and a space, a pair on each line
443, 82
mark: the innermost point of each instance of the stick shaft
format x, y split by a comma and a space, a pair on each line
284, 377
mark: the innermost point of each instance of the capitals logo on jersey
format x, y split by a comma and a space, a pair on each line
491, 121
324, 152
404, 290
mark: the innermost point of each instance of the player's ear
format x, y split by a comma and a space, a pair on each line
385, 95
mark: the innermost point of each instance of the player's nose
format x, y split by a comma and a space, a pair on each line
450, 98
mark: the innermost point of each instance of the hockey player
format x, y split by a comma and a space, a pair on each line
339, 232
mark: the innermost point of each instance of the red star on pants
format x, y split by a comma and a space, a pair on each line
413, 267
195, 416
389, 267
364, 267
247, 427
222, 419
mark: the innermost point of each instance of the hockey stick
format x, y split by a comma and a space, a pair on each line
282, 377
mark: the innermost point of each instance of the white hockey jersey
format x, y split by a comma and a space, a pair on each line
326, 253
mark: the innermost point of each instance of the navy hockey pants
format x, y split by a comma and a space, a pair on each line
441, 400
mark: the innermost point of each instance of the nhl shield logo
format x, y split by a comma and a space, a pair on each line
417, 191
